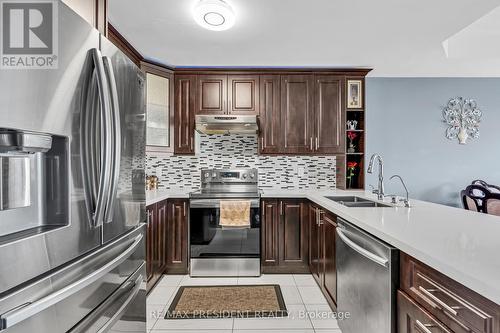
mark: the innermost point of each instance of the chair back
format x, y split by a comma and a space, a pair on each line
473, 197
491, 204
490, 187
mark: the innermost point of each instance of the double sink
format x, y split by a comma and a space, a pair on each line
353, 201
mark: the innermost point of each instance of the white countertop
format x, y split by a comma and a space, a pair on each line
461, 244
154, 196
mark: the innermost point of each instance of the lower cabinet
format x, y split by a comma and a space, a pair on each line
445, 302
329, 272
412, 318
284, 236
322, 262
156, 241
177, 249
166, 239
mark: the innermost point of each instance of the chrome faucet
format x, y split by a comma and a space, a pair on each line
380, 190
407, 200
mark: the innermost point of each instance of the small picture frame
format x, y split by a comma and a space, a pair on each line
354, 94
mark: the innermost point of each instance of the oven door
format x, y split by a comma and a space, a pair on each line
217, 251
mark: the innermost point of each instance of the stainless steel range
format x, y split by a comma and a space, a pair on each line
216, 250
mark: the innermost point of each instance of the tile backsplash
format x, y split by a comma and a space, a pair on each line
241, 151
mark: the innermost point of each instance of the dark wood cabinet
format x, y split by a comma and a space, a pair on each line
297, 113
322, 260
293, 233
211, 96
457, 307
269, 233
162, 234
184, 112
270, 115
300, 111
166, 239
156, 242
329, 116
315, 242
177, 240
243, 94
285, 236
412, 318
328, 224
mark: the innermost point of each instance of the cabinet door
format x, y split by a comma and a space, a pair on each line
314, 242
185, 97
150, 240
177, 235
329, 279
412, 318
297, 113
329, 116
212, 94
162, 236
243, 94
159, 108
270, 232
270, 115
293, 236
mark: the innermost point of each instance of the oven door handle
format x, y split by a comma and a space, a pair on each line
215, 203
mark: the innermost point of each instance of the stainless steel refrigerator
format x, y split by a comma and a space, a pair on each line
72, 200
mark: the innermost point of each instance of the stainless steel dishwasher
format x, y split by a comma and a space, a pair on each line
367, 279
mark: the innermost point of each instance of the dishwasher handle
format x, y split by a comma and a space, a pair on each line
365, 253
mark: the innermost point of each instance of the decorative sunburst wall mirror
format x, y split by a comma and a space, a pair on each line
463, 118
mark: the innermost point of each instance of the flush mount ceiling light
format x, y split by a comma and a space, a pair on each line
214, 15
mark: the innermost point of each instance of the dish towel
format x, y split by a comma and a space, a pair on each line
235, 214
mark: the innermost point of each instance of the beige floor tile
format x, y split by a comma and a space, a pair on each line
297, 319
160, 295
312, 295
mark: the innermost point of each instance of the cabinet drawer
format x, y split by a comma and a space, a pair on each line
456, 306
413, 318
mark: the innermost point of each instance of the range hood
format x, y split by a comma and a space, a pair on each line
226, 124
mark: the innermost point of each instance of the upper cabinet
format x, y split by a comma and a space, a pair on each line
212, 92
270, 115
243, 94
329, 118
227, 94
300, 112
184, 106
159, 109
297, 113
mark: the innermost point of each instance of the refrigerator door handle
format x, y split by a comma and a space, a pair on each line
130, 288
96, 164
27, 310
115, 134
367, 254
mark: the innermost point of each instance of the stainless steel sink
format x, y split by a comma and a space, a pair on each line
350, 198
365, 204
353, 201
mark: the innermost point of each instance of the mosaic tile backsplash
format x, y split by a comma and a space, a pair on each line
241, 151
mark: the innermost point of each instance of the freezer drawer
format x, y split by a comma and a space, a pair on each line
59, 301
123, 311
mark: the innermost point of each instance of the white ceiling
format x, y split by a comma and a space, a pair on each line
395, 37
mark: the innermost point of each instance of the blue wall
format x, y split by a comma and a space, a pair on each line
404, 124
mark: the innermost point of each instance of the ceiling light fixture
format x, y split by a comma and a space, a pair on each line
214, 15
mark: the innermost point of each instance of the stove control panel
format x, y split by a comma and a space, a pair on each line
229, 176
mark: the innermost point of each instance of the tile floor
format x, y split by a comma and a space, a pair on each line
307, 307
